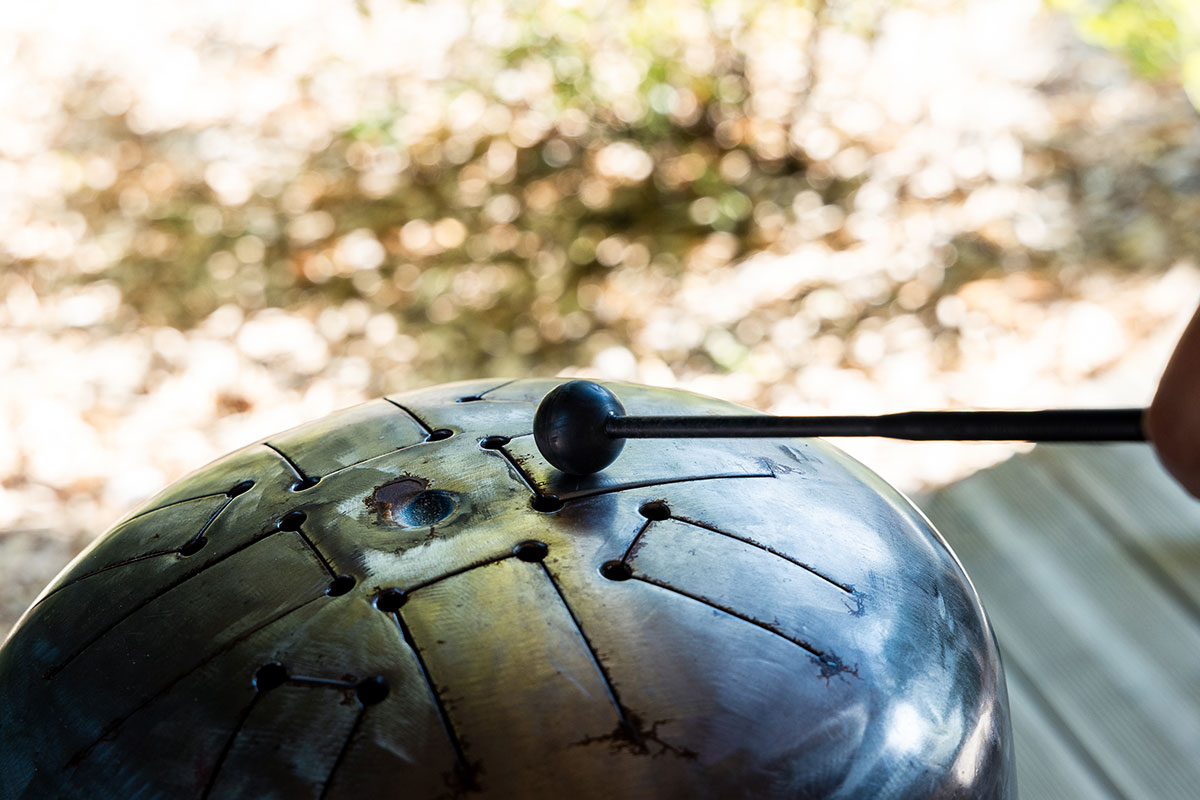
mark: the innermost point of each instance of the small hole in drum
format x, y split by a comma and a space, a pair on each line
193, 547
616, 570
307, 482
340, 585
546, 503
531, 551
270, 676
390, 600
656, 510
371, 691
240, 488
439, 435
493, 442
292, 520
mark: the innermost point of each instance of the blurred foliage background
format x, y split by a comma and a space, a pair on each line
221, 219
1159, 38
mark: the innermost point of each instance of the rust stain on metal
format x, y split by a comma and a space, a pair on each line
639, 540
407, 501
632, 736
393, 495
833, 667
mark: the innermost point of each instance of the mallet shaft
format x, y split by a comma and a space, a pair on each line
1056, 425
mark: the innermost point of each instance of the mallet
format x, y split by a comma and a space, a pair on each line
580, 427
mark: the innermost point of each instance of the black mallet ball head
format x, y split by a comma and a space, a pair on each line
569, 427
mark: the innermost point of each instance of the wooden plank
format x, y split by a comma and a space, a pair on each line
1113, 651
1138, 503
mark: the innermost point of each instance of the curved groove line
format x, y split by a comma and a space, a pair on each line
637, 536
400, 449
452, 573
609, 687
465, 772
525, 477
424, 426
293, 680
768, 549
494, 388
318, 683
225, 750
757, 623
141, 514
50, 673
391, 453
204, 529
100, 570
291, 465
212, 518
115, 725
341, 756
582, 494
479, 395
316, 552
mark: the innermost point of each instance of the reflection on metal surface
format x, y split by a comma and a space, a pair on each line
405, 594
907, 729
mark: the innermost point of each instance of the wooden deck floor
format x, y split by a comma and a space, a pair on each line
1087, 558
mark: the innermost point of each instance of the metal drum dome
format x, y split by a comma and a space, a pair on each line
404, 600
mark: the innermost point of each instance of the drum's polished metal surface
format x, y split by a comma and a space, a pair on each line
404, 600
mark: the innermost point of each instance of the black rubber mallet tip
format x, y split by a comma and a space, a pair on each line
569, 427
580, 427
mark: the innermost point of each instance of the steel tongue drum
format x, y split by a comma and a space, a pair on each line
407, 599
